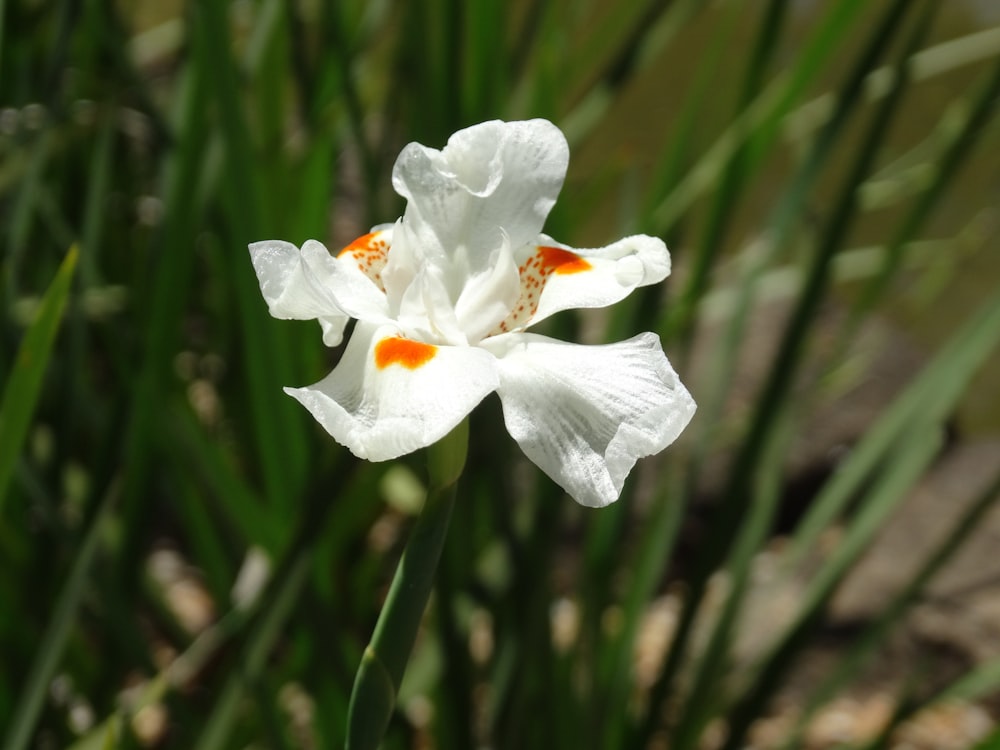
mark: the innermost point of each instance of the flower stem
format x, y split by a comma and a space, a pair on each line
377, 680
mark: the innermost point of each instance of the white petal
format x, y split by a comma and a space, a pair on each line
600, 277
491, 178
585, 414
294, 284
426, 311
388, 396
354, 276
488, 297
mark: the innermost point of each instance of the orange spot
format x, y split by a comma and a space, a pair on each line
404, 352
361, 244
555, 259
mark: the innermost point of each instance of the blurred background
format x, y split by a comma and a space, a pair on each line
188, 561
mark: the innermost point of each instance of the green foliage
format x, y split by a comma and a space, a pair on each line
186, 559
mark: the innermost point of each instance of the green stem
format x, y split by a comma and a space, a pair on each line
377, 681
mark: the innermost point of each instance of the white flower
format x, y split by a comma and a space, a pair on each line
443, 298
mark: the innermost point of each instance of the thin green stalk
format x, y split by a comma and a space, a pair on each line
25, 204
910, 461
877, 632
53, 642
790, 350
454, 705
179, 672
97, 195
271, 611
658, 540
930, 397
760, 120
248, 215
526, 688
701, 703
25, 380
678, 148
730, 188
983, 106
165, 295
376, 684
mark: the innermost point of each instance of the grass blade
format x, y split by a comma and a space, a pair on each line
927, 400
730, 188
790, 350
964, 138
53, 641
876, 633
909, 463
28, 373
260, 644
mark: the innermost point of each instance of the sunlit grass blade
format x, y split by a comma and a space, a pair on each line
729, 190
940, 59
875, 634
50, 649
650, 32
704, 697
978, 683
24, 382
954, 154
760, 117
683, 142
790, 350
770, 114
908, 463
916, 417
928, 399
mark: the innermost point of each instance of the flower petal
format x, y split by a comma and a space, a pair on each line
389, 395
295, 284
355, 276
488, 298
492, 178
426, 311
556, 277
585, 414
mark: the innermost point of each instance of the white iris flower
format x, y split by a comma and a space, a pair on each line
443, 299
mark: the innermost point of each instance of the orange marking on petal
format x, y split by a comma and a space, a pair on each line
562, 261
403, 352
361, 244
534, 274
371, 252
